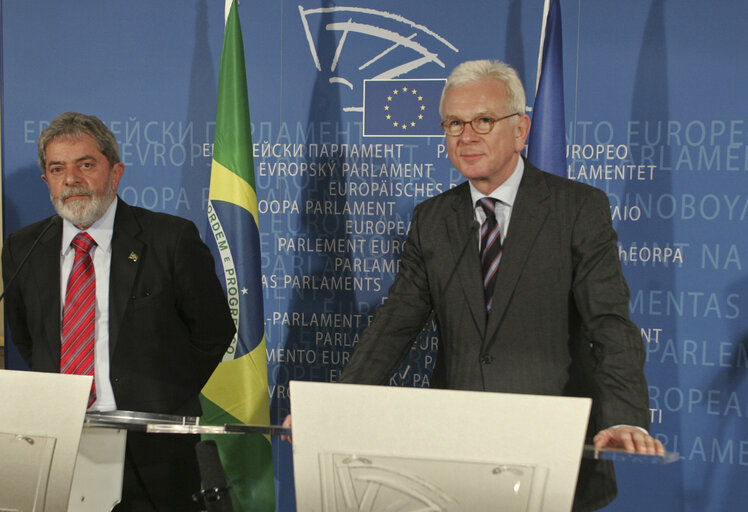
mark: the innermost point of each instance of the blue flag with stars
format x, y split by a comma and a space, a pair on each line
402, 108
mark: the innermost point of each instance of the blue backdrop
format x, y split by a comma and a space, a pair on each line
655, 111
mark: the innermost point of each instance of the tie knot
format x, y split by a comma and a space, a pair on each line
489, 206
83, 242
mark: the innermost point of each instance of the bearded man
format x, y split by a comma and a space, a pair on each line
123, 294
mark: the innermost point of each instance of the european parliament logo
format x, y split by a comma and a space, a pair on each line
402, 108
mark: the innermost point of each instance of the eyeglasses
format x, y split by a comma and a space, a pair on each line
481, 124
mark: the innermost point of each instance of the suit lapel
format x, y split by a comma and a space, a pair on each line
127, 251
528, 216
464, 250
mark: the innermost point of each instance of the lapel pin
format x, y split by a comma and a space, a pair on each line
133, 257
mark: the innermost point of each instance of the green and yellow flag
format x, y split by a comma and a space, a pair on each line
238, 390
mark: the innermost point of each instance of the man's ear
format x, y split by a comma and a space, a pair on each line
117, 170
521, 130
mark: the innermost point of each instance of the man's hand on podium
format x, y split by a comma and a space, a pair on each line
287, 424
624, 437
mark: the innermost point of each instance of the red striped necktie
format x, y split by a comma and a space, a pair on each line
490, 248
78, 317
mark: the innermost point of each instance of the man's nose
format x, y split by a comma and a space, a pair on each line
468, 134
71, 176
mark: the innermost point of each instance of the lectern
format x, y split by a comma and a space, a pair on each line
368, 448
356, 448
41, 417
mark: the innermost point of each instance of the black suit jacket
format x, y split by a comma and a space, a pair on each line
169, 322
559, 323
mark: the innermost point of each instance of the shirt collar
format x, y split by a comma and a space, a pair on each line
100, 231
507, 191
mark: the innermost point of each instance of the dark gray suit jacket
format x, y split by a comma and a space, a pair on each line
169, 322
559, 323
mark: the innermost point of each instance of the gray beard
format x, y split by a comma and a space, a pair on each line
82, 213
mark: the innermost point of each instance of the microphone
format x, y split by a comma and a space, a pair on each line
52, 221
215, 493
413, 353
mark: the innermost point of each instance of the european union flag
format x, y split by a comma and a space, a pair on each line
402, 108
546, 144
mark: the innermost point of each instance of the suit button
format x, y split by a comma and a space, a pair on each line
487, 359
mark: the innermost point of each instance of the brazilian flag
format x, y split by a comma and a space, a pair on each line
237, 392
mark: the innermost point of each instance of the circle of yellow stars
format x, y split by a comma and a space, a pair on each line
403, 92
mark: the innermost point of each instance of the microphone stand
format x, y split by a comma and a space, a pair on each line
52, 222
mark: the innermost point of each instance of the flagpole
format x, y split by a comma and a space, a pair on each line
227, 9
546, 7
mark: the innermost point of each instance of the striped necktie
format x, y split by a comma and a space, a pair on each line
78, 317
490, 248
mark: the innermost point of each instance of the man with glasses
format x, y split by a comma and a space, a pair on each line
521, 271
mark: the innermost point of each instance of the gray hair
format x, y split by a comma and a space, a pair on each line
73, 125
476, 70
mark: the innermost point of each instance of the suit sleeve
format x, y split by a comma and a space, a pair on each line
175, 328
200, 300
386, 342
15, 313
602, 299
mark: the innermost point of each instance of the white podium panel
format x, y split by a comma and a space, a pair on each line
370, 448
357, 483
97, 481
40, 409
24, 471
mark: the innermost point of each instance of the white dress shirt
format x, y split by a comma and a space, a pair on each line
506, 193
101, 253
